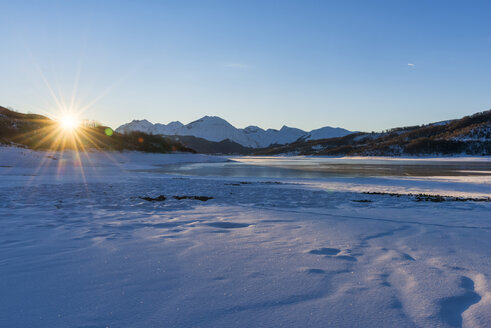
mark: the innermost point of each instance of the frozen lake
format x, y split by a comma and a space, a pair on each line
313, 168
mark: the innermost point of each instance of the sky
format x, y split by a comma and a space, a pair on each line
360, 65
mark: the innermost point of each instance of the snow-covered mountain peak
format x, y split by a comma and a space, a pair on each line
211, 120
142, 122
214, 128
287, 128
252, 129
135, 125
175, 123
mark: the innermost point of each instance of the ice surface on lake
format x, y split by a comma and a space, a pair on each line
80, 248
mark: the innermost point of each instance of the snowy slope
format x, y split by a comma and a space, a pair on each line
214, 128
170, 129
264, 138
136, 125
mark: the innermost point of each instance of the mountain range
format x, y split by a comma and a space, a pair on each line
469, 135
216, 129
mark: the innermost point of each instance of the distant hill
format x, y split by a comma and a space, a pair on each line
40, 132
204, 146
216, 129
470, 135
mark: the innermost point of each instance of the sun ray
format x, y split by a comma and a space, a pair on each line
48, 85
78, 160
75, 84
64, 136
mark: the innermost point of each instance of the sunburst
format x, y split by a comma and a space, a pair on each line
67, 135
69, 123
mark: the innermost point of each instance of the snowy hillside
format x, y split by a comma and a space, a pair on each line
326, 132
265, 138
214, 128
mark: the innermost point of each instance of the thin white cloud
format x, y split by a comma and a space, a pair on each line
411, 64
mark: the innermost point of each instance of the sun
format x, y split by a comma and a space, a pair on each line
69, 123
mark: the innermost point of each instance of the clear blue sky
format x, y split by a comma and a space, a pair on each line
361, 65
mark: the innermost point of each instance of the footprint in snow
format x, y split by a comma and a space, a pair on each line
325, 251
452, 308
227, 225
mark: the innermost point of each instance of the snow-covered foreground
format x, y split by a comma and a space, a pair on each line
86, 251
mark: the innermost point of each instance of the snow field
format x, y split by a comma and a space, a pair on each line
89, 252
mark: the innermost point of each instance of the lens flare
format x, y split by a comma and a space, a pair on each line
109, 132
